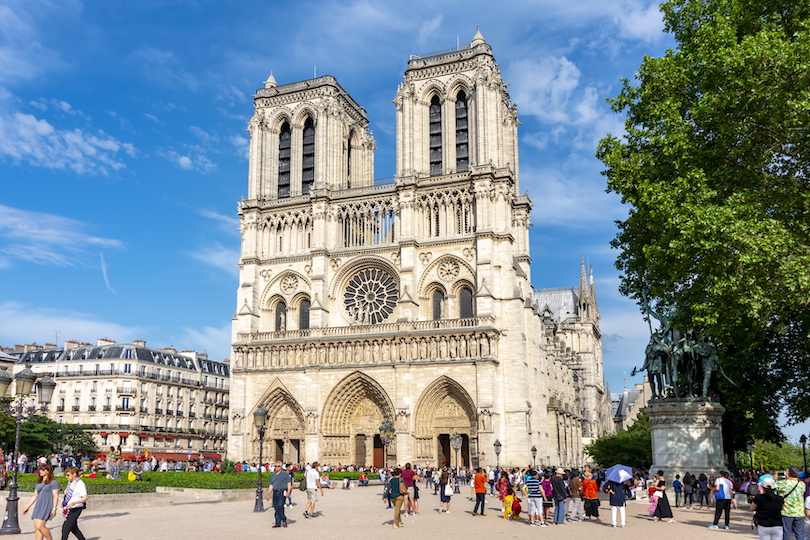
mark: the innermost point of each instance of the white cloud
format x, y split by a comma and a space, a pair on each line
23, 323
230, 222
544, 88
220, 257
196, 161
214, 341
429, 29
26, 138
47, 239
163, 67
636, 21
203, 135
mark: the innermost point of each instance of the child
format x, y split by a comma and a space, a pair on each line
508, 500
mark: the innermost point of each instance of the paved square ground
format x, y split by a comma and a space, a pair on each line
360, 513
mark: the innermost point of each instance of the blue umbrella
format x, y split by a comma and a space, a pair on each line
619, 473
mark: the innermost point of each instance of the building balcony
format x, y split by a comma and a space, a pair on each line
60, 408
91, 408
107, 407
192, 414
169, 412
144, 410
127, 391
158, 411
75, 408
121, 408
208, 416
208, 400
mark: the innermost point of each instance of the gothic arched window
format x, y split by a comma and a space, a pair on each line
462, 147
438, 305
284, 144
303, 314
465, 301
308, 158
435, 136
281, 317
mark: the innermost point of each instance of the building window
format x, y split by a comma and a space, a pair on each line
303, 315
462, 147
308, 158
125, 403
465, 298
438, 305
284, 144
281, 317
127, 368
94, 386
435, 136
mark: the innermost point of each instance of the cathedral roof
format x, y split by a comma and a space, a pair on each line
561, 301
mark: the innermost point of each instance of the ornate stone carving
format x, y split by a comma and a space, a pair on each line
266, 273
370, 296
469, 253
448, 270
289, 284
425, 257
334, 263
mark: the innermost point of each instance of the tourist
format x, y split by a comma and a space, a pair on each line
45, 502
326, 481
445, 491
617, 500
677, 487
723, 493
279, 488
767, 509
410, 478
548, 501
479, 485
535, 495
502, 488
575, 490
311, 477
702, 490
114, 470
792, 489
396, 493
688, 490
590, 494
73, 503
558, 492
662, 509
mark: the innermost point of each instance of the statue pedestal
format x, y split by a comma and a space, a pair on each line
686, 436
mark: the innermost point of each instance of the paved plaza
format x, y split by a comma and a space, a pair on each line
360, 512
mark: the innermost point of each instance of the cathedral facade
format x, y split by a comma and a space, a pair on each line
408, 302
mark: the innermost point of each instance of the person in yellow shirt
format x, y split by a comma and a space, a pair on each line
507, 504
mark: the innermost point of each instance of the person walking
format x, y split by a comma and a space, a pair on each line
617, 500
575, 490
312, 475
558, 493
723, 493
445, 491
662, 509
479, 483
792, 489
410, 477
73, 503
397, 492
279, 488
45, 502
767, 509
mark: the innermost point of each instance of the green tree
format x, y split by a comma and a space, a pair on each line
770, 455
714, 167
76, 437
632, 447
37, 436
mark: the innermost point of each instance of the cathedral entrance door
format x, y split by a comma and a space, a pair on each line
444, 451
360, 450
295, 450
379, 452
464, 453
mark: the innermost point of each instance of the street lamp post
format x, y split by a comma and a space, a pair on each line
25, 380
497, 446
387, 434
456, 441
534, 457
749, 445
803, 440
259, 419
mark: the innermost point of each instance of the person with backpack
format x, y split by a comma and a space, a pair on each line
397, 491
792, 489
688, 490
723, 493
767, 508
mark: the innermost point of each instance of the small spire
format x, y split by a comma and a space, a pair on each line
270, 82
478, 39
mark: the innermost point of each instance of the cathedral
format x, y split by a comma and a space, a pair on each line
407, 303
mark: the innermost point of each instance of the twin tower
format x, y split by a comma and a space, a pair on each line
406, 303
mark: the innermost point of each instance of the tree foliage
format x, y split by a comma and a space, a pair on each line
632, 447
39, 435
714, 168
771, 456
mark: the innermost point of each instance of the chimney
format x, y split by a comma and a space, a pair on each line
72, 344
104, 341
139, 342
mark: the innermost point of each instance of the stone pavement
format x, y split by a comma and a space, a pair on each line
360, 512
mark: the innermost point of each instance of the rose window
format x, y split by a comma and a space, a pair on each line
370, 296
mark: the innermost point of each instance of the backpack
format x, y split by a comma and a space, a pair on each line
516, 509
753, 489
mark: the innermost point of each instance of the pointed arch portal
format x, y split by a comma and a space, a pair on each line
445, 408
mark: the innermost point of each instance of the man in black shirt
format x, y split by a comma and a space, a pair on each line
558, 493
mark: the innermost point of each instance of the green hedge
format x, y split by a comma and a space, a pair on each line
199, 480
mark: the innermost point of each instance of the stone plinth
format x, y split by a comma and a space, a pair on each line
686, 436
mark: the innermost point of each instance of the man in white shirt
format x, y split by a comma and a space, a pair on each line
723, 493
312, 476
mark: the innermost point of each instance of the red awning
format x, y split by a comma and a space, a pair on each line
170, 436
123, 434
103, 433
143, 435
158, 435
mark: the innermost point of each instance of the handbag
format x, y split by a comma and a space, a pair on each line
302, 485
448, 491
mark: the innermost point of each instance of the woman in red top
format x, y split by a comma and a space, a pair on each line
590, 492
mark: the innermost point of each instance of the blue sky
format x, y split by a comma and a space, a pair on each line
123, 148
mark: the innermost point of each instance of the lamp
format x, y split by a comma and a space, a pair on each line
749, 445
387, 435
534, 457
259, 419
456, 441
25, 380
803, 440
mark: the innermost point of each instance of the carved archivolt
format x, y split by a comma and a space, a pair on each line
445, 406
279, 283
285, 417
438, 270
357, 404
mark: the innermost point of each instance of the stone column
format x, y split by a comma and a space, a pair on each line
686, 436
